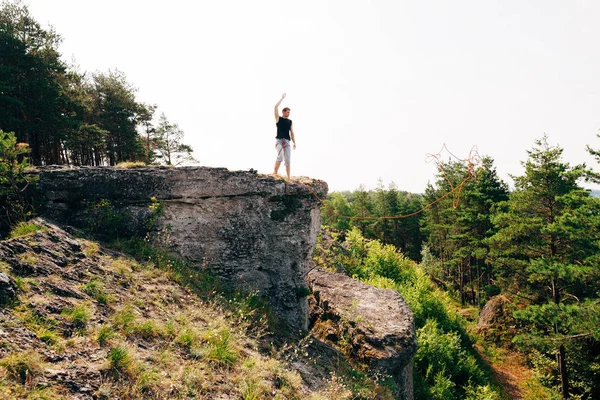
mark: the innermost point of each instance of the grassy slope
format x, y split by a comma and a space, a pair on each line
130, 330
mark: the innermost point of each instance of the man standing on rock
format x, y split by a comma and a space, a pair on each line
285, 132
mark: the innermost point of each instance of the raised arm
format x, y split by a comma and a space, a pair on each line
276, 109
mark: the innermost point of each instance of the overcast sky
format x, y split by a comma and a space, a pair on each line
373, 86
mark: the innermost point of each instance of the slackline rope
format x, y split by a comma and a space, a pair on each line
473, 162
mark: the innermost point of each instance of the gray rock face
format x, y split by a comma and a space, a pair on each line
254, 232
373, 326
8, 288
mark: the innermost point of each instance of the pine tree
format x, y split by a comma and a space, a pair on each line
544, 251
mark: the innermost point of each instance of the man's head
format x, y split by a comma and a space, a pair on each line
285, 112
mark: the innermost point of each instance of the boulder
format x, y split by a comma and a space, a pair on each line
496, 322
374, 327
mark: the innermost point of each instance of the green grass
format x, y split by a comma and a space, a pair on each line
124, 318
147, 329
23, 366
26, 229
186, 338
79, 315
105, 334
221, 349
121, 362
96, 289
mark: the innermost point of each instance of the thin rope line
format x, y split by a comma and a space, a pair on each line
473, 161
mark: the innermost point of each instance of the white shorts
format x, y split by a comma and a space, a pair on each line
284, 151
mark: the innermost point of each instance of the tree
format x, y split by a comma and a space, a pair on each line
116, 111
459, 224
145, 116
168, 143
334, 209
32, 81
591, 175
546, 251
13, 181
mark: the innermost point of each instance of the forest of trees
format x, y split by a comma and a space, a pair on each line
537, 244
70, 117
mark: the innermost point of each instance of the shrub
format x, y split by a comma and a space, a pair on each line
15, 204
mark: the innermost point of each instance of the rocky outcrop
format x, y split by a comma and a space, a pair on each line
254, 232
8, 289
374, 327
496, 322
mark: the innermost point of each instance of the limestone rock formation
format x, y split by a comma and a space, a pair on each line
374, 327
254, 232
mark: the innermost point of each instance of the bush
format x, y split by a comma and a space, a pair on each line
15, 205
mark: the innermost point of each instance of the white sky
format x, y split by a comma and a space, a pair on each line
373, 86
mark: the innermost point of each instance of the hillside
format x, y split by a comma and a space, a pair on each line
89, 322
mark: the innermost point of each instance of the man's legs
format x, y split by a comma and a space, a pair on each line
287, 156
276, 170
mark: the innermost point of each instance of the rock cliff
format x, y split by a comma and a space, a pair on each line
254, 232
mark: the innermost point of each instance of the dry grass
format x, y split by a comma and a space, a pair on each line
131, 164
147, 337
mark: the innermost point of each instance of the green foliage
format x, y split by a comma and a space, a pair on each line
451, 371
363, 210
65, 116
120, 362
34, 103
108, 222
458, 227
547, 248
79, 315
15, 205
590, 174
446, 366
167, 143
95, 289
26, 229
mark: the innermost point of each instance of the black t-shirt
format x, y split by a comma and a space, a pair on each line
283, 128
